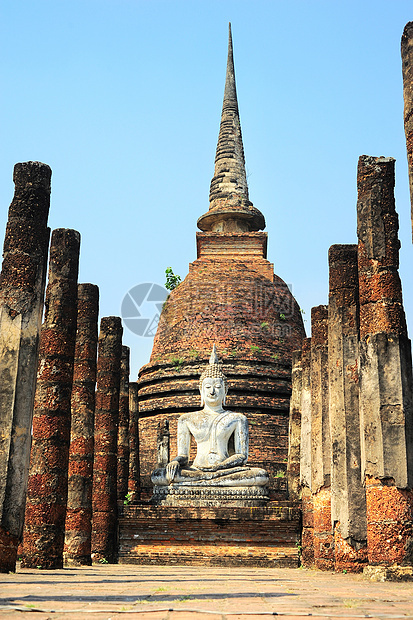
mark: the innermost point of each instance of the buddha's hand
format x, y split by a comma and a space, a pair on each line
171, 470
235, 460
208, 468
213, 461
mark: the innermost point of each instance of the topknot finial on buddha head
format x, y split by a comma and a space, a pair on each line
213, 371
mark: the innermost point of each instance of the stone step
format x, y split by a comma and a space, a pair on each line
211, 555
229, 536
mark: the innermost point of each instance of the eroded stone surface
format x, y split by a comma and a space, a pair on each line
407, 69
389, 523
294, 429
386, 399
134, 486
381, 306
388, 573
307, 535
79, 503
104, 500
22, 283
305, 442
347, 490
321, 441
123, 431
47, 488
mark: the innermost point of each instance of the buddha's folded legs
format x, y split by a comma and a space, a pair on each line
236, 476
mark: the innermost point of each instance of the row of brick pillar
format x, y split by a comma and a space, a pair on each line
81, 407
351, 418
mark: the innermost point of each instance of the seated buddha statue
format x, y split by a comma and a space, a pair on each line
221, 438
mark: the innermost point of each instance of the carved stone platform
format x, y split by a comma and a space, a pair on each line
181, 495
227, 536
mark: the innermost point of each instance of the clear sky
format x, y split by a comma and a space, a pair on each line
122, 98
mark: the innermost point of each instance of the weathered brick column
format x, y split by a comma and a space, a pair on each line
407, 69
47, 489
79, 502
123, 432
104, 494
22, 283
305, 456
348, 500
386, 400
294, 429
321, 441
134, 486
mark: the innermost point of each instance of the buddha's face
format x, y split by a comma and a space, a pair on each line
213, 391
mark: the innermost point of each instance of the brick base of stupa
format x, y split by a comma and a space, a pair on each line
209, 536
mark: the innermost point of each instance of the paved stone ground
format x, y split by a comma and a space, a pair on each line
195, 593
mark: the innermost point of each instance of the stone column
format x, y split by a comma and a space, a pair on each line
305, 457
321, 441
22, 283
294, 429
407, 69
348, 499
123, 433
386, 401
79, 501
47, 489
134, 485
104, 494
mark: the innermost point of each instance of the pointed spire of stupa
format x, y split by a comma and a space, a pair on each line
230, 209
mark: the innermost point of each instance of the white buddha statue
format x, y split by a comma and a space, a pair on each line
221, 439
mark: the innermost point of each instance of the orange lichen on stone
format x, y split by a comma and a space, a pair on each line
123, 430
323, 530
48, 476
381, 306
307, 535
407, 69
389, 523
104, 494
348, 557
79, 505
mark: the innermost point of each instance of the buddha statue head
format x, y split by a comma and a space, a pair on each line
213, 372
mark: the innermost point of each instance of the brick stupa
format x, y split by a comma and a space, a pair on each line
230, 297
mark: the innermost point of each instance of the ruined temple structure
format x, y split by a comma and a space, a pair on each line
352, 405
350, 433
231, 297
333, 412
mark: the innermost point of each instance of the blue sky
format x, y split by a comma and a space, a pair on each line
122, 98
